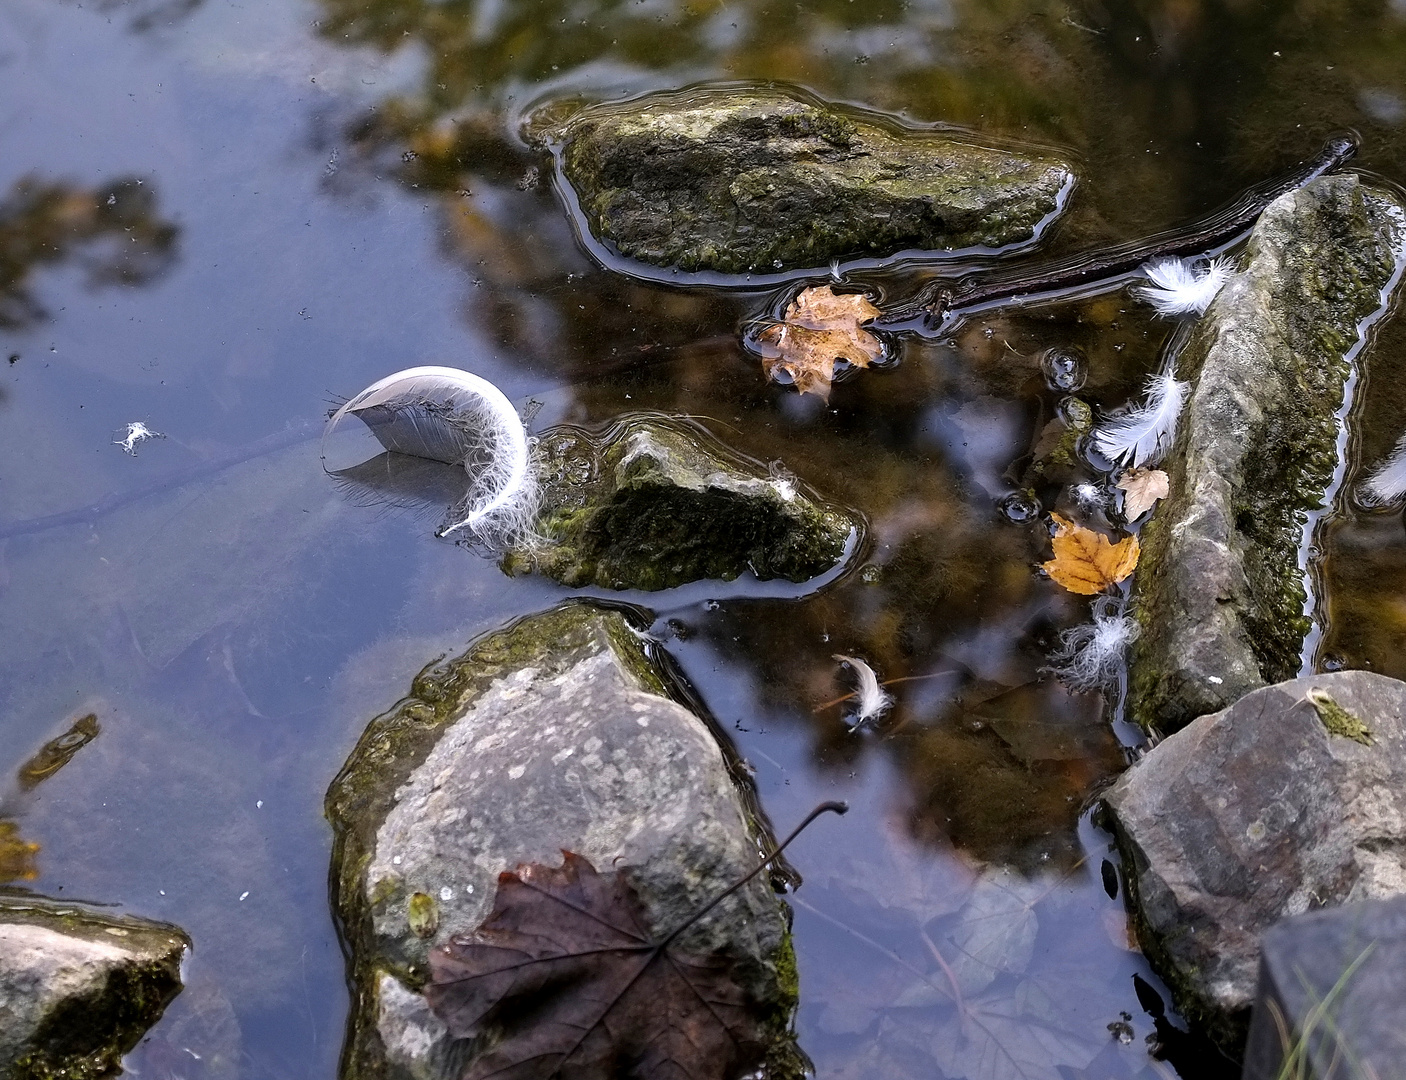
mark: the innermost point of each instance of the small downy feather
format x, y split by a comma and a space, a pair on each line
874, 700
450, 415
1143, 434
1177, 286
1090, 656
1388, 480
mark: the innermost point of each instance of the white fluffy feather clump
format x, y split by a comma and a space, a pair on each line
1142, 435
1388, 480
874, 700
446, 414
1090, 656
1177, 286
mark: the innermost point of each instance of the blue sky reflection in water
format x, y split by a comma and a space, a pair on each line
220, 219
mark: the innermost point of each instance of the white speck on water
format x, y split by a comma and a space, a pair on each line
446, 894
243, 896
136, 432
259, 805
161, 891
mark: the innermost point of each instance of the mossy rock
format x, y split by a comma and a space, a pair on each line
656, 502
1220, 592
752, 180
557, 732
78, 987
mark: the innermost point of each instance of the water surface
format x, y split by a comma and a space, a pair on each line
221, 218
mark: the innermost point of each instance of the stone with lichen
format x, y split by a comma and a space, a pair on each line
1220, 592
655, 503
747, 180
556, 732
79, 987
1279, 804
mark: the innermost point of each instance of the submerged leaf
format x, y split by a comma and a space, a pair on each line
1142, 488
56, 753
1085, 562
16, 854
819, 328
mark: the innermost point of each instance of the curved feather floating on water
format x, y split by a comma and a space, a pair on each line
450, 415
1388, 480
874, 700
1143, 434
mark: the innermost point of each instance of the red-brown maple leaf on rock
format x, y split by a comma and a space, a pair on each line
566, 975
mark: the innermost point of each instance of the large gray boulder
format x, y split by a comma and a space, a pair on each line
657, 502
739, 180
1220, 593
1284, 802
1333, 991
555, 733
78, 987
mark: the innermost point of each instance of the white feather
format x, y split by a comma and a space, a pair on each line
1090, 656
874, 700
1388, 481
1177, 286
446, 414
1143, 434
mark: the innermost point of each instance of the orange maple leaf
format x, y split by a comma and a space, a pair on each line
819, 328
1085, 562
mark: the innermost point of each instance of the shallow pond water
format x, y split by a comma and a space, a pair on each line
219, 218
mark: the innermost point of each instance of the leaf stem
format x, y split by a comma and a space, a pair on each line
823, 808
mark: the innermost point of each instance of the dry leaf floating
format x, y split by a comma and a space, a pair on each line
1142, 488
566, 977
1085, 562
819, 328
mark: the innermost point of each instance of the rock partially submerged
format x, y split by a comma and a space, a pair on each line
557, 732
1279, 804
78, 988
1220, 592
1332, 987
740, 180
655, 503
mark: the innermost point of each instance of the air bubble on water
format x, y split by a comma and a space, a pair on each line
1065, 368
1019, 506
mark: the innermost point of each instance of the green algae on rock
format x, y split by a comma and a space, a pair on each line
1220, 591
657, 502
78, 987
555, 732
753, 180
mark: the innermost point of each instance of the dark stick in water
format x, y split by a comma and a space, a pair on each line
943, 298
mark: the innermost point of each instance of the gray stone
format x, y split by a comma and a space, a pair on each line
557, 732
78, 988
658, 502
1220, 594
1333, 988
1267, 809
760, 180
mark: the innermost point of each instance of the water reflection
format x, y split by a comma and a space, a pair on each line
113, 233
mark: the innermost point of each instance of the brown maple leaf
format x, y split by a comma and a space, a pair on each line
819, 328
565, 973
1085, 562
1141, 490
